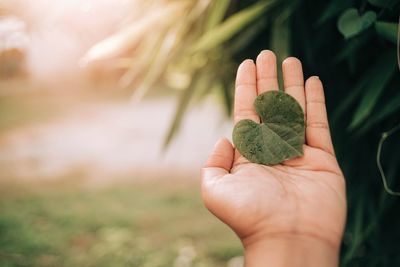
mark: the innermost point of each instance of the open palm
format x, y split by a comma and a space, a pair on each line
302, 196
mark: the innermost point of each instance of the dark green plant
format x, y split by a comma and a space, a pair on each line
352, 46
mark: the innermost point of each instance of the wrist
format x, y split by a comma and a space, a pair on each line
290, 250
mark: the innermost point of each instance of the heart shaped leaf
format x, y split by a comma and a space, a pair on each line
351, 23
279, 137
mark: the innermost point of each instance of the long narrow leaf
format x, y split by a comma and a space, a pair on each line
280, 39
388, 109
180, 110
231, 26
350, 99
244, 39
161, 57
374, 89
131, 35
332, 10
217, 13
387, 30
353, 45
383, 3
227, 98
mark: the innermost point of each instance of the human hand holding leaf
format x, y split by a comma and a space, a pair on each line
302, 199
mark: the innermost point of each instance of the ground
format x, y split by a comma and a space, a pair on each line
147, 223
83, 183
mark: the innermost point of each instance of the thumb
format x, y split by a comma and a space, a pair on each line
220, 161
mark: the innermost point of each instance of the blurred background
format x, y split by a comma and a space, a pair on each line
109, 108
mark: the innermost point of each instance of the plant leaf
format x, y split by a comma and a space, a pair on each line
382, 3
352, 46
182, 106
217, 13
280, 39
245, 38
231, 26
387, 30
279, 137
388, 109
332, 10
351, 23
132, 34
374, 88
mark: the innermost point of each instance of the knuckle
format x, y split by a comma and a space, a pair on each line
244, 84
317, 124
295, 87
245, 112
316, 102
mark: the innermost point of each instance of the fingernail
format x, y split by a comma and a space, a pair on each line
264, 52
219, 142
246, 63
249, 60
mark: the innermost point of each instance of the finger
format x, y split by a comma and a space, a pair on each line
220, 161
293, 80
245, 92
266, 72
317, 127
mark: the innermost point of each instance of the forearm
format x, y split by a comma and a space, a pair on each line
290, 251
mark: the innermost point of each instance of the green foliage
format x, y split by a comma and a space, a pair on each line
352, 46
387, 30
279, 137
373, 87
351, 23
235, 23
143, 224
383, 3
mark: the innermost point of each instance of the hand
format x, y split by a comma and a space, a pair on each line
299, 205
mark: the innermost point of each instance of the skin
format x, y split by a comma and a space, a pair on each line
290, 214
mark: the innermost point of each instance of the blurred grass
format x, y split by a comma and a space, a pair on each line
16, 111
141, 224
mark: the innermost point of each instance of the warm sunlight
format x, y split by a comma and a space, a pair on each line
199, 133
60, 32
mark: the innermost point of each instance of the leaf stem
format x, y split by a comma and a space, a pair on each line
398, 44
384, 136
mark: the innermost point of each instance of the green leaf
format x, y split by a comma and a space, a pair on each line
231, 26
352, 47
387, 110
245, 38
351, 23
387, 30
334, 8
180, 110
217, 13
280, 39
279, 137
387, 65
351, 97
382, 3
355, 92
227, 98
